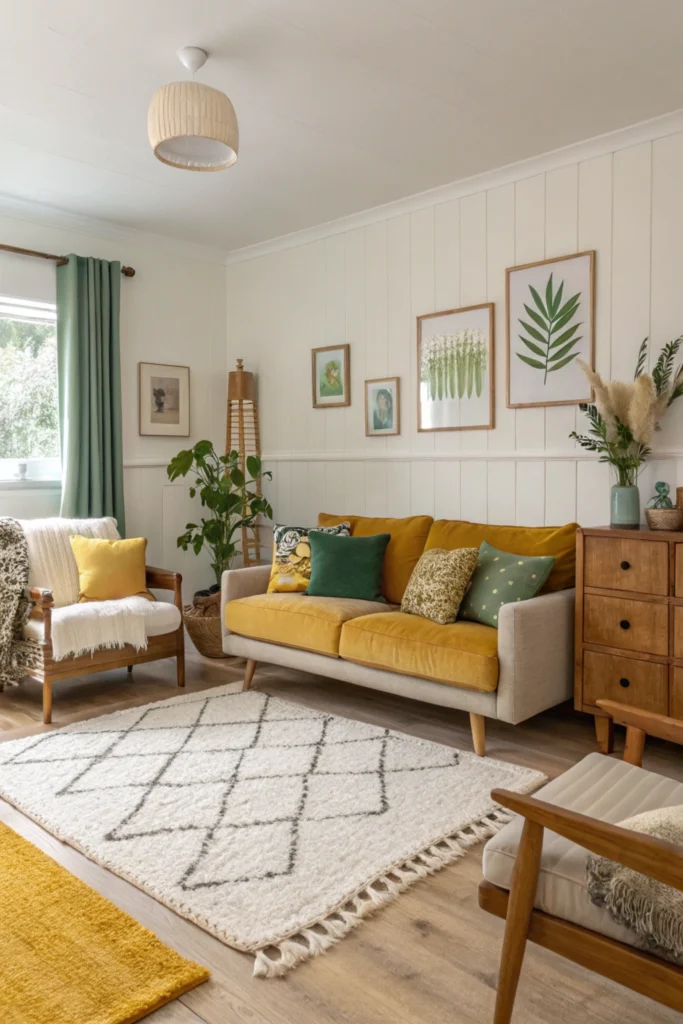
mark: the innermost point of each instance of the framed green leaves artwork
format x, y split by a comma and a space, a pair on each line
550, 325
455, 369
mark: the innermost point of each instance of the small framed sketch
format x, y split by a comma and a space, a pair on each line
455, 369
382, 407
331, 376
164, 399
550, 325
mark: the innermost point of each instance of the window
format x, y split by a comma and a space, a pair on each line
29, 421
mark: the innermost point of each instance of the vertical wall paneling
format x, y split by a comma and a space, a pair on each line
500, 254
366, 286
529, 248
422, 301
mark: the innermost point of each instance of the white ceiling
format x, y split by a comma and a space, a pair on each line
342, 104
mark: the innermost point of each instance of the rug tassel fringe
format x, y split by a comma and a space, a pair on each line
276, 960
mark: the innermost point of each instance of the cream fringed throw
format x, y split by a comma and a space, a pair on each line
652, 910
83, 628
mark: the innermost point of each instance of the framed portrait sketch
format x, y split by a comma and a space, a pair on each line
331, 376
164, 399
455, 369
382, 407
550, 325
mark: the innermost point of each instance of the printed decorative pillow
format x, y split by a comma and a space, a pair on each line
438, 584
291, 571
501, 578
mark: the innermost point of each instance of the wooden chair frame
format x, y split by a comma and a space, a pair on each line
641, 972
168, 645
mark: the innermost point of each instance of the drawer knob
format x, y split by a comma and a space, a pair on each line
625, 683
625, 565
625, 624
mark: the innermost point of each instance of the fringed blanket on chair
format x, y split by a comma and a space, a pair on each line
16, 653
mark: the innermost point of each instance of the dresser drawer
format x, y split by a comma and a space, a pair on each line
676, 695
641, 683
679, 570
630, 625
678, 632
615, 563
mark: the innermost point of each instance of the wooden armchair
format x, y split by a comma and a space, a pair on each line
590, 947
167, 645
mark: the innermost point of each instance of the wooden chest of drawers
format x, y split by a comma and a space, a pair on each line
629, 622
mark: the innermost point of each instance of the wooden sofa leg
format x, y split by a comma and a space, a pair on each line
47, 703
478, 727
248, 674
130, 670
520, 906
180, 668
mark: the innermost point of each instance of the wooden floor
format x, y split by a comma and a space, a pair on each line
430, 957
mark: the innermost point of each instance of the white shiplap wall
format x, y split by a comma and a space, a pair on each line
366, 285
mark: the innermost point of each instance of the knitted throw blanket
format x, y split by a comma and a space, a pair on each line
14, 603
652, 910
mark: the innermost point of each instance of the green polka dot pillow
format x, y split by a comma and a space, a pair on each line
501, 578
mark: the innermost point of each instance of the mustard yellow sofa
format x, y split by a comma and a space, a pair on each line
509, 673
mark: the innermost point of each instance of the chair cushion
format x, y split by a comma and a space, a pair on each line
160, 618
602, 788
407, 543
460, 654
51, 562
559, 541
297, 620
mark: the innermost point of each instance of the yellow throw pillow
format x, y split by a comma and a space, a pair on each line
110, 569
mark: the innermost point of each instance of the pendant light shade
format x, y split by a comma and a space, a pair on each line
193, 126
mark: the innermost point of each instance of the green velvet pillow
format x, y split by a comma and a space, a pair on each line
501, 578
347, 566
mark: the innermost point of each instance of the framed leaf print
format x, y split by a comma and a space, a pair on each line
455, 369
550, 325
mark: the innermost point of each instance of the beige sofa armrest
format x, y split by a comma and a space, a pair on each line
238, 583
536, 655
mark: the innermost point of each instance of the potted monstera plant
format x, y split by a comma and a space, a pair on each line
232, 500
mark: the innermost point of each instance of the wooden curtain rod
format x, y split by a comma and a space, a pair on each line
59, 260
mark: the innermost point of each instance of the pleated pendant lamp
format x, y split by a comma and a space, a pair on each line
191, 125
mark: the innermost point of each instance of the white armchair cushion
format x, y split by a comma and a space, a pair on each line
159, 618
51, 562
600, 787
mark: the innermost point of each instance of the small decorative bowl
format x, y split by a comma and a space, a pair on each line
664, 518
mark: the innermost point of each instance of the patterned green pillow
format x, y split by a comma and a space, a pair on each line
501, 578
438, 584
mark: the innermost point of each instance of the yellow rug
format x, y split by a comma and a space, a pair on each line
69, 956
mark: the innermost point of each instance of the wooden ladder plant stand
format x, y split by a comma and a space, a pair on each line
168, 645
243, 436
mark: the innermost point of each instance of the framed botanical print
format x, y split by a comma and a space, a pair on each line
164, 399
455, 369
550, 326
331, 376
382, 407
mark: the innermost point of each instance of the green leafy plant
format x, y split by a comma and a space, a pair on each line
550, 350
231, 497
625, 416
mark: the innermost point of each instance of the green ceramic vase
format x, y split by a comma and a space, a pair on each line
625, 508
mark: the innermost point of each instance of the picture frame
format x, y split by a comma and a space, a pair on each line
383, 407
456, 369
331, 376
550, 321
164, 400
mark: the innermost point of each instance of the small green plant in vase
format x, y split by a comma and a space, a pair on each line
623, 420
233, 501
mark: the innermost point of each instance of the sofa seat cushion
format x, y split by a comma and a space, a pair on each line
408, 537
160, 618
532, 541
459, 654
602, 788
296, 620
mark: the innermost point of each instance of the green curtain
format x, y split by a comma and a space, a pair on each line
88, 355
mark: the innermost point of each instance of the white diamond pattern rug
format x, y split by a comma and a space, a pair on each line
274, 827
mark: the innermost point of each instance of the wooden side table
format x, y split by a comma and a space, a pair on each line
629, 623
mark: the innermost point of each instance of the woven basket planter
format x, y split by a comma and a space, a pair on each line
203, 623
664, 518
